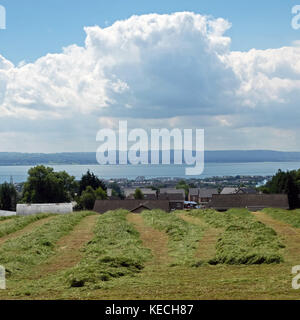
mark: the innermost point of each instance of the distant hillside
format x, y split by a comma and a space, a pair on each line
251, 156
22, 159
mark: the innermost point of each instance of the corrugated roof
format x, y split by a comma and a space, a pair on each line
102, 206
257, 201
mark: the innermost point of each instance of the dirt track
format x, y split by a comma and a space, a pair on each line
153, 239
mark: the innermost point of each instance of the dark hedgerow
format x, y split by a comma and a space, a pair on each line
115, 251
244, 240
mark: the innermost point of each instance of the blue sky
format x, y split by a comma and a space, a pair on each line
69, 68
37, 27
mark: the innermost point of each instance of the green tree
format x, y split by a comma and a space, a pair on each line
287, 183
116, 190
90, 180
292, 190
89, 196
8, 197
46, 186
138, 195
183, 185
100, 194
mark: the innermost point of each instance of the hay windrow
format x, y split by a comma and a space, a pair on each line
17, 223
244, 241
115, 251
19, 254
292, 217
184, 237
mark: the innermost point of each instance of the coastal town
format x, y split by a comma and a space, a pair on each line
137, 195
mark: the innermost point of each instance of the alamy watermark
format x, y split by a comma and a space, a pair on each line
134, 147
2, 278
2, 18
296, 19
296, 279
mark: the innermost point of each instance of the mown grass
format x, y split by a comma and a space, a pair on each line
115, 251
18, 223
291, 217
183, 236
244, 240
222, 281
8, 218
19, 254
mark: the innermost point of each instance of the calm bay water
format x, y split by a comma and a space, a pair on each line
19, 173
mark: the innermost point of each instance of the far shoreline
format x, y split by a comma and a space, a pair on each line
144, 165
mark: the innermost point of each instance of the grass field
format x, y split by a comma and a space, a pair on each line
287, 216
153, 255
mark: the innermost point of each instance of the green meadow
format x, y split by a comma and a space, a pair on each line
199, 254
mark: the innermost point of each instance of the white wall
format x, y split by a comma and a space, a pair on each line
7, 213
59, 208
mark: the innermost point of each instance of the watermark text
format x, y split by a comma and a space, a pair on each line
296, 19
2, 278
2, 18
135, 147
296, 279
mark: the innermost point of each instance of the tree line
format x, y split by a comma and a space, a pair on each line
44, 185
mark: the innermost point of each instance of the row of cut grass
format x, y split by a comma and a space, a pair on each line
18, 223
19, 254
291, 217
115, 251
4, 218
183, 236
244, 241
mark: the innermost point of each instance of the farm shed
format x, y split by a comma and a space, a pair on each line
135, 206
252, 202
55, 208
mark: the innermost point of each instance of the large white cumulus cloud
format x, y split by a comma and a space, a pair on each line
267, 75
164, 64
151, 66
157, 66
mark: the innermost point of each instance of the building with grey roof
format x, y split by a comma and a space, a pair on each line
149, 194
202, 195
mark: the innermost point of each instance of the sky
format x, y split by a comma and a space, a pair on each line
69, 68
